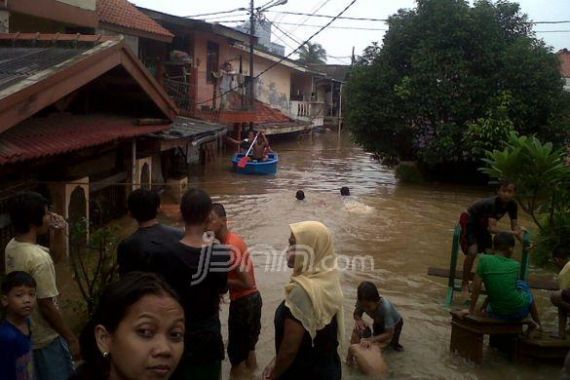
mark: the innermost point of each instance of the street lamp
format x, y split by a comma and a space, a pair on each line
252, 13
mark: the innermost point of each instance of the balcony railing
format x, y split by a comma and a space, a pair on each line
312, 112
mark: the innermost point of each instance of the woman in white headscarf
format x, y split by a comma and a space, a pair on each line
309, 323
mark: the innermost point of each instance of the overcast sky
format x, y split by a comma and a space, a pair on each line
339, 42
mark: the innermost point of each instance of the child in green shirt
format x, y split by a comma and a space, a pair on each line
508, 298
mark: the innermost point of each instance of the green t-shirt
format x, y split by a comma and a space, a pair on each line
500, 275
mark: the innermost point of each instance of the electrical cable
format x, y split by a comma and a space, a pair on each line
331, 27
329, 16
217, 13
287, 56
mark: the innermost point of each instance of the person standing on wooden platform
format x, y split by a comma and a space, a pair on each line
482, 223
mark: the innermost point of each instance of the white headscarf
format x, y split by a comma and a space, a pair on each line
315, 272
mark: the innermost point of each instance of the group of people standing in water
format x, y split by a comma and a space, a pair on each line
161, 319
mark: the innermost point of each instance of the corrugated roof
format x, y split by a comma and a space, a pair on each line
184, 127
20, 63
124, 14
234, 113
336, 72
36, 70
49, 136
564, 55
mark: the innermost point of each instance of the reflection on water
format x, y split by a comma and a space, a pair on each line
404, 228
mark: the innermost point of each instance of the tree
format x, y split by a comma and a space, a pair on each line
312, 54
444, 74
543, 183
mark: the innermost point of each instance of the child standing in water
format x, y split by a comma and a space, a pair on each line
366, 343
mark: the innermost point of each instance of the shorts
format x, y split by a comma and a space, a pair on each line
565, 294
244, 326
520, 314
479, 235
53, 361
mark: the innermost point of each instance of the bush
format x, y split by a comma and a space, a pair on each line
543, 182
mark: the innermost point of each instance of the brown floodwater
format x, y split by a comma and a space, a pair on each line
403, 228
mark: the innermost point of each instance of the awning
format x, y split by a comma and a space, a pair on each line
49, 136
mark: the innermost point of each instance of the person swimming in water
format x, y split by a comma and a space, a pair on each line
345, 191
300, 195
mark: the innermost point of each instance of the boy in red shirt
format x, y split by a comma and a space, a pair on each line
244, 322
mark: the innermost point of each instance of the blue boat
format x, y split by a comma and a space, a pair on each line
266, 167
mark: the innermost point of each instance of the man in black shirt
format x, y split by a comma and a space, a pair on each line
151, 238
483, 217
197, 269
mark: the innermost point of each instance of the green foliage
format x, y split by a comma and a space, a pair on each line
452, 81
93, 260
489, 132
543, 183
409, 173
312, 54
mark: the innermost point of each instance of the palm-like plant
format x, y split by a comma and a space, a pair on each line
312, 54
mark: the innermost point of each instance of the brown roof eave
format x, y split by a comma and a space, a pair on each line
32, 98
137, 32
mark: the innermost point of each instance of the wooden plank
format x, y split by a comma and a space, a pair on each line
535, 282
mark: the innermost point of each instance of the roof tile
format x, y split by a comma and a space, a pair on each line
124, 14
49, 136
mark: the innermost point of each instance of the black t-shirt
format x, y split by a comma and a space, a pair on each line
199, 276
316, 359
493, 208
135, 252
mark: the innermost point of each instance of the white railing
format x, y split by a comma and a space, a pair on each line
312, 112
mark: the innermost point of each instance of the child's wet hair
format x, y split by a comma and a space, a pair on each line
16, 279
503, 240
367, 291
300, 195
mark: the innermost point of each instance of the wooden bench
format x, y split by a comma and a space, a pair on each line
467, 335
535, 282
544, 348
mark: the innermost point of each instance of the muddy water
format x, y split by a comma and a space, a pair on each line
403, 228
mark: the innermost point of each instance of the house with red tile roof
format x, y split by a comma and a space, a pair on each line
208, 71
48, 16
73, 109
564, 56
120, 17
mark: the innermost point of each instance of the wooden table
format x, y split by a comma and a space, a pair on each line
467, 335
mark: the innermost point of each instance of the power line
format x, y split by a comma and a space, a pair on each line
552, 31
329, 16
287, 56
331, 27
386, 20
551, 22
309, 39
217, 13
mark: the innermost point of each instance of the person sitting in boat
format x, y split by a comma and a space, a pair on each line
243, 144
367, 344
561, 298
482, 218
261, 148
508, 298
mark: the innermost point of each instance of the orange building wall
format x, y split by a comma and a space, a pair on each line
273, 87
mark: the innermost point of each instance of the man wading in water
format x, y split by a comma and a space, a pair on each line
482, 218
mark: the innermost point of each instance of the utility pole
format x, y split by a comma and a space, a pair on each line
251, 44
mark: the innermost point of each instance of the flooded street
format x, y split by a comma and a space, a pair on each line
403, 228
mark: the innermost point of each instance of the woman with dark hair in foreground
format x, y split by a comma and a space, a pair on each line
136, 332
